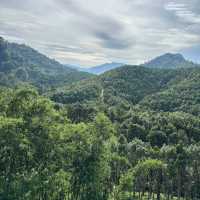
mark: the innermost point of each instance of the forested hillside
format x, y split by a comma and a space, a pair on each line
132, 133
183, 96
22, 64
130, 83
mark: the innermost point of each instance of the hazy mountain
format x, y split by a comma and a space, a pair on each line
170, 61
99, 69
104, 67
22, 64
76, 67
166, 61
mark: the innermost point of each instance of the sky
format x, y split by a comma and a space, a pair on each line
92, 32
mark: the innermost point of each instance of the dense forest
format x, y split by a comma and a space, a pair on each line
130, 133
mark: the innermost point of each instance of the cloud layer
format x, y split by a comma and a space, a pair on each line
90, 32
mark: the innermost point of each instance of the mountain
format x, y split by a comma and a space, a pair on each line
100, 69
167, 83
22, 64
169, 61
166, 61
132, 133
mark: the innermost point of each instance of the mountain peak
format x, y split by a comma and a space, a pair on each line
176, 56
169, 61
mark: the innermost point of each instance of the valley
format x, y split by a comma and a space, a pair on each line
132, 132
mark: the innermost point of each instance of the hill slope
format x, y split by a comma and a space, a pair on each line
131, 83
182, 96
156, 89
22, 64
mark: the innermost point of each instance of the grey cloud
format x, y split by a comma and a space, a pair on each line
62, 48
112, 41
105, 28
112, 35
13, 3
187, 12
16, 4
92, 31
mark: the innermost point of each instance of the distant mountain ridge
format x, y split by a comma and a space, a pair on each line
99, 69
165, 61
170, 61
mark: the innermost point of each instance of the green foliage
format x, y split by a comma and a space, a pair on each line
181, 96
76, 93
128, 83
149, 159
157, 138
43, 155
